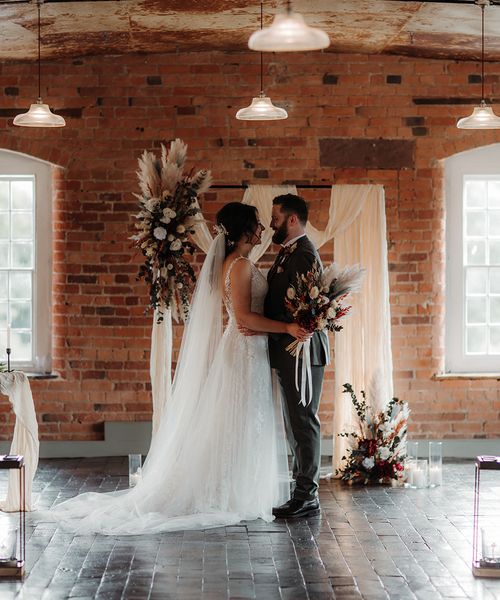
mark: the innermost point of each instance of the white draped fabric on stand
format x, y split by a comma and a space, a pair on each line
363, 355
16, 386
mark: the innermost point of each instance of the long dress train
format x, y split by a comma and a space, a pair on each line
216, 459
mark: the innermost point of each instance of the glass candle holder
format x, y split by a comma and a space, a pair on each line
411, 457
420, 474
134, 469
490, 545
412, 450
435, 464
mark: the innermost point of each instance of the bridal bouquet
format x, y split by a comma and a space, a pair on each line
169, 209
377, 450
315, 301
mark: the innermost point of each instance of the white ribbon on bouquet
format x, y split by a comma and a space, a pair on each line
305, 389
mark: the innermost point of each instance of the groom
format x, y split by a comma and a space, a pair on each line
297, 255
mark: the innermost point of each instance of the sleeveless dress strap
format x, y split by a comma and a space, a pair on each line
230, 268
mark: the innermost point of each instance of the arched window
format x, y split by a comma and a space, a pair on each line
25, 260
473, 261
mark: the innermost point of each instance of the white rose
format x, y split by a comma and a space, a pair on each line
368, 463
384, 452
170, 237
331, 313
290, 293
180, 229
169, 213
165, 220
314, 292
176, 245
160, 233
170, 266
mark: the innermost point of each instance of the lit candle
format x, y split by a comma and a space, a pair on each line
134, 478
419, 478
8, 336
435, 476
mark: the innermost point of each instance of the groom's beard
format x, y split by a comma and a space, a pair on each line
280, 234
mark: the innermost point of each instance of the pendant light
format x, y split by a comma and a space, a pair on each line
288, 33
482, 116
39, 114
261, 108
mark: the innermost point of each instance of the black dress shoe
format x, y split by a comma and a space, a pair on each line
295, 508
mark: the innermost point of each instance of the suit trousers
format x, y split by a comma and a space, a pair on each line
303, 430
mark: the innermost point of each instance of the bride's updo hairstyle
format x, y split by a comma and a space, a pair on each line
237, 220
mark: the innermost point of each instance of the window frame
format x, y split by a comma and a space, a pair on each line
479, 162
17, 164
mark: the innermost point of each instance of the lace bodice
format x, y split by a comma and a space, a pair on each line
258, 288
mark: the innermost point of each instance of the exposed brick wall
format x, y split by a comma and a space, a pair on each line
118, 106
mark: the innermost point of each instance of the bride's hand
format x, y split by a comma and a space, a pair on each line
248, 332
298, 332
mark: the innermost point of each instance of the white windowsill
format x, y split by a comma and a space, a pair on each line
439, 376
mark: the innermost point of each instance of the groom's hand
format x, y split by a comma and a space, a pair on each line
247, 332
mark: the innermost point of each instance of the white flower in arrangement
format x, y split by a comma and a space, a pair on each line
314, 292
290, 293
149, 251
331, 312
384, 452
368, 462
170, 266
160, 233
180, 286
180, 229
170, 237
168, 213
151, 204
165, 220
176, 245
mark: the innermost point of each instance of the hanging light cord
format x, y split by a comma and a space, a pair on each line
39, 2
482, 52
261, 58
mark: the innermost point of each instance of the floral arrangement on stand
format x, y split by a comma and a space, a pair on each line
315, 301
377, 451
169, 209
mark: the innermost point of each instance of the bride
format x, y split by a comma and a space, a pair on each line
219, 455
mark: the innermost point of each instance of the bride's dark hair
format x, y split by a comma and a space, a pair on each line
238, 220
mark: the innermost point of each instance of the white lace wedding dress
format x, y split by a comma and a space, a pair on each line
216, 459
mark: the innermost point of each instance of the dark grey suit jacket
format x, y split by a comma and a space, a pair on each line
279, 279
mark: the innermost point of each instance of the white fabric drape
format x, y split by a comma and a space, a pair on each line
16, 386
363, 349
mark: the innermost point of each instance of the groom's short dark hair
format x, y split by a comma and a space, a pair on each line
291, 204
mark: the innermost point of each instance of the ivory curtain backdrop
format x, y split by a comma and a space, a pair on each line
356, 221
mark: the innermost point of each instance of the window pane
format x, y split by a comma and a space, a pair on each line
476, 340
22, 255
4, 195
494, 252
22, 226
3, 315
476, 253
494, 194
495, 340
4, 255
495, 281
22, 195
20, 315
4, 226
476, 310
475, 194
3, 284
21, 345
20, 286
475, 223
494, 223
476, 281
495, 310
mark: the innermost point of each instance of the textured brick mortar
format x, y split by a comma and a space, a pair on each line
116, 107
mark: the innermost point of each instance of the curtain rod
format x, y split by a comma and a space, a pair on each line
243, 186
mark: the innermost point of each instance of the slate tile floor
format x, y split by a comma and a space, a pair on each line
373, 543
